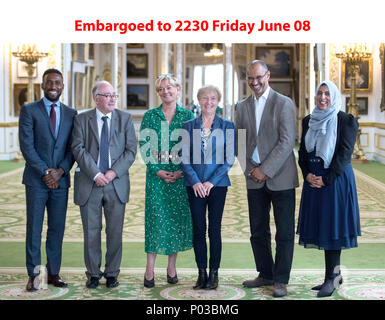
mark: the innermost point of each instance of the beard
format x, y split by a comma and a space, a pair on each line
51, 97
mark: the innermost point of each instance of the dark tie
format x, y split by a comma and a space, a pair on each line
52, 117
104, 147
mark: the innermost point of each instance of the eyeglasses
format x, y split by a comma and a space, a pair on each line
258, 78
108, 96
166, 75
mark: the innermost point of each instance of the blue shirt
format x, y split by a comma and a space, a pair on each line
48, 104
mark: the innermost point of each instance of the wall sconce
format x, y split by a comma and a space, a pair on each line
353, 55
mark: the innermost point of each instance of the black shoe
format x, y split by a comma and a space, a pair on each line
257, 282
57, 281
92, 283
328, 287
112, 282
212, 282
172, 280
317, 288
32, 284
148, 283
202, 279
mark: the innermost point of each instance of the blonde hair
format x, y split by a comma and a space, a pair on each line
209, 88
172, 80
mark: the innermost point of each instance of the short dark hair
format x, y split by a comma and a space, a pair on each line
48, 71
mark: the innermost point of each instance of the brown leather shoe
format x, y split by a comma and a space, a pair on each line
257, 282
32, 284
57, 281
279, 290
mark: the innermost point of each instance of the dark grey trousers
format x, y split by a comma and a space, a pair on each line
103, 199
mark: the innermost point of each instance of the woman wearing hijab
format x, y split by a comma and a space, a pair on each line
329, 213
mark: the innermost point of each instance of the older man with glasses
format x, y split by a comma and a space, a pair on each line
104, 146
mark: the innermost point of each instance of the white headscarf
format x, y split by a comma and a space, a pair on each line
322, 133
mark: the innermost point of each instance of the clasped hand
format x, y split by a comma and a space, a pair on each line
315, 181
52, 179
258, 175
104, 179
168, 176
202, 189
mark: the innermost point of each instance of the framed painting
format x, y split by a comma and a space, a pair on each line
382, 59
362, 105
80, 52
135, 45
20, 95
278, 59
363, 78
137, 96
80, 91
282, 87
137, 65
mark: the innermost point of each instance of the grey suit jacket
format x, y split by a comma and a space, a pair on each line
275, 140
85, 147
39, 147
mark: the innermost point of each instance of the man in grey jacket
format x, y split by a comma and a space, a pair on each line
269, 119
104, 146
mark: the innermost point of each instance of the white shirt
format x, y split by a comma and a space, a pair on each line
259, 107
100, 123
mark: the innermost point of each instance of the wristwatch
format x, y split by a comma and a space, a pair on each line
46, 172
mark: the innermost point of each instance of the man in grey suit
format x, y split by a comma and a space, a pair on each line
104, 146
271, 176
45, 129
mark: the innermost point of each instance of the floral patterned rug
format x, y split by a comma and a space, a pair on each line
358, 284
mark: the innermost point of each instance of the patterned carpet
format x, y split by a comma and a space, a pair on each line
358, 283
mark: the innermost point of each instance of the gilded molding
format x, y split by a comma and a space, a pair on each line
10, 80
372, 125
9, 124
377, 138
52, 57
366, 134
334, 69
382, 59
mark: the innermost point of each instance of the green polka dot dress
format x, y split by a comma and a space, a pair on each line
168, 226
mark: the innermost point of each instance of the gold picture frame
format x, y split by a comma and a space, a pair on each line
80, 90
138, 96
364, 78
80, 52
283, 87
382, 59
137, 65
278, 59
363, 105
20, 95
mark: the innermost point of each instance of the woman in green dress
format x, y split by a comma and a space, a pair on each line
168, 226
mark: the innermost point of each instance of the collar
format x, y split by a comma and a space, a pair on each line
265, 94
216, 122
48, 103
160, 113
99, 114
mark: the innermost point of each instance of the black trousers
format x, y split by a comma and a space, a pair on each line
215, 204
260, 201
